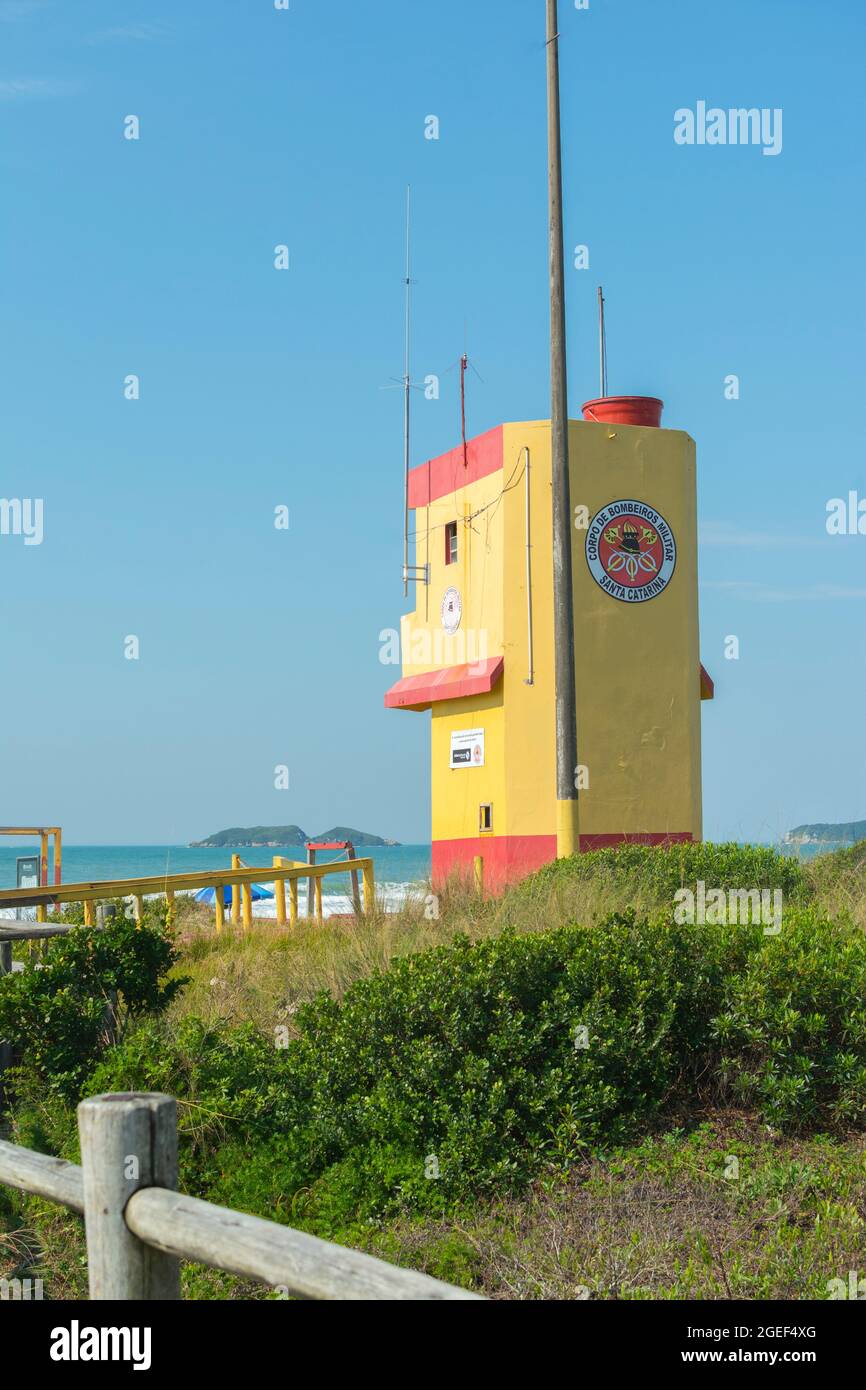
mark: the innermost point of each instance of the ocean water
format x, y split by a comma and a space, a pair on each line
811, 851
399, 869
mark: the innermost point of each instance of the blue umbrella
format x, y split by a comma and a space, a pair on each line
207, 895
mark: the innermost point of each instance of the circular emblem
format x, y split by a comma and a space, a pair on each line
631, 551
452, 610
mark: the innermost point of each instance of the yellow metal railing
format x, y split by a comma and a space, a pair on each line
283, 872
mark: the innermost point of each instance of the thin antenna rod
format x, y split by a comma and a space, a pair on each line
464, 363
602, 345
407, 392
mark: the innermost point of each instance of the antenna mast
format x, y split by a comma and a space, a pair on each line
407, 391
602, 345
464, 363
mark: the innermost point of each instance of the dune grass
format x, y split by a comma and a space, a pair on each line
714, 1208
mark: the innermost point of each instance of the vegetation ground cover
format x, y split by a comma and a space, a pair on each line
561, 1092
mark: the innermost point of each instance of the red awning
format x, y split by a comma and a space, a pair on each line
708, 689
448, 683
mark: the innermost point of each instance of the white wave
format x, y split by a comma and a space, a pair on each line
390, 897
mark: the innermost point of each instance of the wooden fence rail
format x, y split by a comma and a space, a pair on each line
139, 1227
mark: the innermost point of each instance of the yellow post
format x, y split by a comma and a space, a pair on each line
139, 907
236, 892
43, 870
318, 891
369, 888
479, 874
293, 902
247, 898
41, 913
218, 906
567, 829
280, 895
57, 854
88, 914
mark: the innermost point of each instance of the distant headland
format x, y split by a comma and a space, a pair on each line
283, 837
848, 832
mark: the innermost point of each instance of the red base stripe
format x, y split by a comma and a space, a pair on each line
667, 837
509, 858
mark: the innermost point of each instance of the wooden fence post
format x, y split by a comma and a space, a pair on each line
128, 1141
311, 859
369, 889
280, 896
236, 893
356, 891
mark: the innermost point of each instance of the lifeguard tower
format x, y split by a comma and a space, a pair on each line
478, 651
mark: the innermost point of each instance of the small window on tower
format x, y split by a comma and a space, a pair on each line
451, 543
485, 818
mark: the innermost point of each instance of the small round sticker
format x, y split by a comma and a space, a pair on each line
631, 551
452, 610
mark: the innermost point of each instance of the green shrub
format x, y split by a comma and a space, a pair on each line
472, 1055
660, 871
458, 1071
792, 1028
64, 1011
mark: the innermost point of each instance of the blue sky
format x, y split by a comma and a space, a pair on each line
258, 388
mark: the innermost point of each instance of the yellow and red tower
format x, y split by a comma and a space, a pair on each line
478, 649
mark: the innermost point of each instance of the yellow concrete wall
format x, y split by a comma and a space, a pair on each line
458, 793
477, 574
638, 665
530, 752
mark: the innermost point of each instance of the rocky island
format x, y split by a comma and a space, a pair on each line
284, 837
847, 832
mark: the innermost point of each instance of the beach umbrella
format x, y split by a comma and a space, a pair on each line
207, 895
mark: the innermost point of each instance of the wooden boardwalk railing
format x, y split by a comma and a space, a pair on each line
139, 1227
283, 872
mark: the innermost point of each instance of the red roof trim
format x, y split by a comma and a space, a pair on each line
445, 474
448, 683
